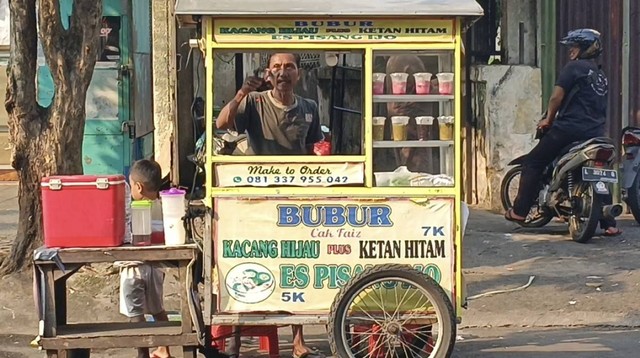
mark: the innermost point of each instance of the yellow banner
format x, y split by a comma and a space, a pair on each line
311, 175
332, 30
294, 255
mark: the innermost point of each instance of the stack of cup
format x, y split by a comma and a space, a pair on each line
378, 128
423, 82
445, 124
378, 83
173, 211
445, 83
423, 123
399, 83
399, 127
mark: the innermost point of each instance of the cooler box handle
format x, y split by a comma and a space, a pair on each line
55, 184
102, 183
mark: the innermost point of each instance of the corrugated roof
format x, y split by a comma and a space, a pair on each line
329, 8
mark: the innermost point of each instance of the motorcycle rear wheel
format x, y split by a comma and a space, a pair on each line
583, 225
507, 200
633, 199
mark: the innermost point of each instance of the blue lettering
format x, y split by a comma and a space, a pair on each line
333, 23
381, 216
307, 216
334, 216
353, 211
288, 215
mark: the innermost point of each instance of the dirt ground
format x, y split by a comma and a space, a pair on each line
593, 285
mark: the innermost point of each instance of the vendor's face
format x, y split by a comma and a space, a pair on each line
574, 52
283, 72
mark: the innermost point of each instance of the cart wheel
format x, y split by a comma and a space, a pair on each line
392, 311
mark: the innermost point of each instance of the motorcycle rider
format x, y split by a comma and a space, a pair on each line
583, 117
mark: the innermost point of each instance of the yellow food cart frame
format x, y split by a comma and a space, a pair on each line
226, 29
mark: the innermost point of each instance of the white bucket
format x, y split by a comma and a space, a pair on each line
173, 210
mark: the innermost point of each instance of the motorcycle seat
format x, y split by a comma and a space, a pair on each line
579, 145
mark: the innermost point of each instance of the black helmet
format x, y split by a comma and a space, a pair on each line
588, 40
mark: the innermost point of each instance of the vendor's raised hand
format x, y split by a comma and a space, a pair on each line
251, 84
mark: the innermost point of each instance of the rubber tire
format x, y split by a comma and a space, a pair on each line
441, 303
506, 201
592, 219
633, 200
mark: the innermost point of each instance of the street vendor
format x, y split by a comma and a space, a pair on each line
277, 122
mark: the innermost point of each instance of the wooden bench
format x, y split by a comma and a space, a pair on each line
60, 339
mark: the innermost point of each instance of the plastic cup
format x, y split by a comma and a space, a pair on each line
378, 82
423, 82
173, 210
445, 124
399, 83
423, 123
378, 128
399, 127
445, 82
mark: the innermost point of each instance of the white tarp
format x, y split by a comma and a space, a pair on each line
330, 8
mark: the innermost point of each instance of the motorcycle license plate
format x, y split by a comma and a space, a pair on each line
603, 175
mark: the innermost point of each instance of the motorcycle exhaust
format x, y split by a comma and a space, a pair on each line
612, 211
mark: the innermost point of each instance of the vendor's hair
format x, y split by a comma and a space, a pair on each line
295, 56
148, 173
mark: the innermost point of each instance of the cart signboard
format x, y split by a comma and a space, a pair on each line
331, 30
291, 174
294, 254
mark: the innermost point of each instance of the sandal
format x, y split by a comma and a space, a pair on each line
615, 232
509, 217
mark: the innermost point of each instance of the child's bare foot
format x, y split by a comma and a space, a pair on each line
161, 352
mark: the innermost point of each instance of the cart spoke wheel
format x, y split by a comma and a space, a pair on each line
392, 311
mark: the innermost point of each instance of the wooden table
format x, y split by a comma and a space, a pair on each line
60, 339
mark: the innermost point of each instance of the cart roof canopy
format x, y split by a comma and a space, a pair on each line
387, 8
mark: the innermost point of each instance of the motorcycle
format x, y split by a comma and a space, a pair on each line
571, 188
629, 167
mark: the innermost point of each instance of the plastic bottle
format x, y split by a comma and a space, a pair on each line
173, 212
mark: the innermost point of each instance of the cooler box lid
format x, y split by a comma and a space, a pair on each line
56, 182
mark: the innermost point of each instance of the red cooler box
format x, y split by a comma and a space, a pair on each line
83, 210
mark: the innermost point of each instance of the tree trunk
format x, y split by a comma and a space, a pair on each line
47, 141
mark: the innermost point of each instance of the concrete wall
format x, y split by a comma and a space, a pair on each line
507, 107
163, 73
519, 44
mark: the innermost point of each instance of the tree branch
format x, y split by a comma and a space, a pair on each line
85, 24
53, 38
21, 79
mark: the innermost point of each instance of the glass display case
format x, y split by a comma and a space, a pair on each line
413, 118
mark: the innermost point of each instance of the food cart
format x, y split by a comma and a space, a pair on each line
371, 250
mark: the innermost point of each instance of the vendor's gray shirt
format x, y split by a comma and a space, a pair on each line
274, 129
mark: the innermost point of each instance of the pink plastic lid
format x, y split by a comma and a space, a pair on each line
173, 191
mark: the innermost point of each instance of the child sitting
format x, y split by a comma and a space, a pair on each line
141, 290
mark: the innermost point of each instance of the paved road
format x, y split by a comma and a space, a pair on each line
474, 343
